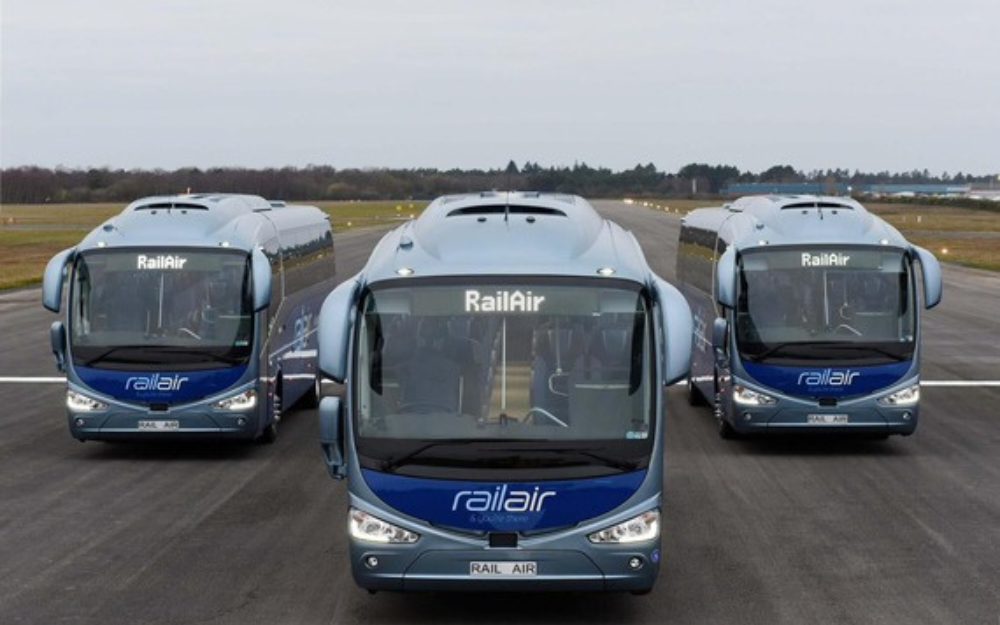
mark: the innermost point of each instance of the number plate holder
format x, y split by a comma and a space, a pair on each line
827, 419
159, 425
506, 568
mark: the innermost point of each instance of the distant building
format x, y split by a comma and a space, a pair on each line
842, 188
915, 189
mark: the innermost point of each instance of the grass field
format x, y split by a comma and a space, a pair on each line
31, 234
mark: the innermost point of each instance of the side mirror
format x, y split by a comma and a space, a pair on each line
930, 269
261, 267
331, 439
725, 279
335, 321
57, 337
52, 283
678, 332
720, 336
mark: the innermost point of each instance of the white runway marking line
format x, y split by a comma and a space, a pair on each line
960, 383
942, 383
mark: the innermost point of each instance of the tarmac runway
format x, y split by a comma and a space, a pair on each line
764, 531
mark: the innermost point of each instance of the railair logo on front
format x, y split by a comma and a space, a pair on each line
828, 377
155, 382
500, 499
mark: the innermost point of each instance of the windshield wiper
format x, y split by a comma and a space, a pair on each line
391, 464
229, 360
869, 348
778, 348
146, 354
622, 465
828, 345
197, 353
108, 352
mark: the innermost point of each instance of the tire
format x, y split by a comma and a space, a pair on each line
311, 398
270, 433
726, 431
694, 396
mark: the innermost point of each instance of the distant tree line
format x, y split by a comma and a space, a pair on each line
31, 185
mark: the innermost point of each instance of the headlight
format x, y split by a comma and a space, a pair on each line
79, 402
745, 397
908, 396
368, 528
646, 526
243, 401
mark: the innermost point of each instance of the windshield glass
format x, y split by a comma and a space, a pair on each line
504, 375
797, 306
176, 309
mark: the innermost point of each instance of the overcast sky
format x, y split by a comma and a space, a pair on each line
859, 84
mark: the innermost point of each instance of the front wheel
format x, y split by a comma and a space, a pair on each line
694, 396
726, 431
312, 397
270, 433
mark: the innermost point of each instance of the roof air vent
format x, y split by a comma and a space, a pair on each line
511, 210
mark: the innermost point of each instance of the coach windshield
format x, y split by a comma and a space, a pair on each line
800, 305
183, 309
541, 374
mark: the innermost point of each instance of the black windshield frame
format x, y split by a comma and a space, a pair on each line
491, 445
830, 312
119, 300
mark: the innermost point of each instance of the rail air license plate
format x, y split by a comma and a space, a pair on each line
503, 569
159, 426
827, 419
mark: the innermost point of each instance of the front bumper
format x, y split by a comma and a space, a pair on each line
601, 569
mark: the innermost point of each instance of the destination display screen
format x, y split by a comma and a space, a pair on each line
507, 300
818, 258
165, 261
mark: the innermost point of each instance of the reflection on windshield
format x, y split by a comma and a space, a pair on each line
182, 309
857, 307
440, 363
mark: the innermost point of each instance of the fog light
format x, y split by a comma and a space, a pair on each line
635, 563
241, 422
80, 423
371, 562
747, 416
906, 416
